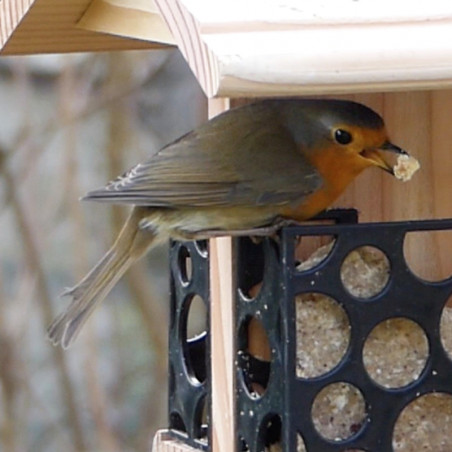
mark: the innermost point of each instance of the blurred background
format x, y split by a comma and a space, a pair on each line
70, 123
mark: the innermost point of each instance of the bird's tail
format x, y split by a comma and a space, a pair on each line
130, 245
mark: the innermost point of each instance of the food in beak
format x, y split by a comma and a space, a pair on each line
405, 167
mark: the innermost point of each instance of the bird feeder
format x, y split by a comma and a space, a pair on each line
394, 59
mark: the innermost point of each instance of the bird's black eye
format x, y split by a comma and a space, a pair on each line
342, 136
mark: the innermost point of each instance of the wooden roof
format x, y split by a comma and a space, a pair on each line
288, 47
57, 26
256, 47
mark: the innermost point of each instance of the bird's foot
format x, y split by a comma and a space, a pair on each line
255, 233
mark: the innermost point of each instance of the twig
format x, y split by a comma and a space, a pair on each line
33, 258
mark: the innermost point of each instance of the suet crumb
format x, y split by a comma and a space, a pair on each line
405, 167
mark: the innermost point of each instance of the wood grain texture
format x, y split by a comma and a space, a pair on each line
11, 13
278, 48
163, 442
137, 20
50, 26
222, 345
185, 30
222, 336
234, 15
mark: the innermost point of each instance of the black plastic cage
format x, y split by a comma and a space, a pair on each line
283, 412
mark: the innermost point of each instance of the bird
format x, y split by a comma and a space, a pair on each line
247, 171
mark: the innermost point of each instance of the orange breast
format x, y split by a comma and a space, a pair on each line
311, 206
337, 170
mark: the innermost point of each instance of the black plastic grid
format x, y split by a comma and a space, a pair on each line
188, 362
283, 411
405, 295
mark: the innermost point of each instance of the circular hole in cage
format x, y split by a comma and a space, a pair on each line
338, 411
446, 327
323, 334
301, 446
176, 422
202, 246
270, 430
395, 352
251, 265
193, 334
365, 272
197, 317
310, 251
254, 356
185, 265
425, 424
427, 254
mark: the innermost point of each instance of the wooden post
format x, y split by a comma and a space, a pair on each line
222, 332
221, 339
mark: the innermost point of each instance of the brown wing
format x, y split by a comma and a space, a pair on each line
242, 157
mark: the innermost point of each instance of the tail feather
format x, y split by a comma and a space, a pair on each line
86, 296
132, 243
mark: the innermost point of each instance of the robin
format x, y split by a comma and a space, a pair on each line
246, 171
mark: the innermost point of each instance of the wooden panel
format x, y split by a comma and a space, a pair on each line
222, 338
49, 26
231, 16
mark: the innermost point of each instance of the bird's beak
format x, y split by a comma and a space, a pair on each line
375, 155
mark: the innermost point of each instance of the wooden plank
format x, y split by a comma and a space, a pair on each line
234, 15
50, 26
163, 442
279, 48
222, 332
137, 20
11, 13
185, 30
222, 345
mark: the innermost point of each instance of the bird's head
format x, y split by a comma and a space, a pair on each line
368, 147
355, 134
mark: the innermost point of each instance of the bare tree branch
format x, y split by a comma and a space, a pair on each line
26, 232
